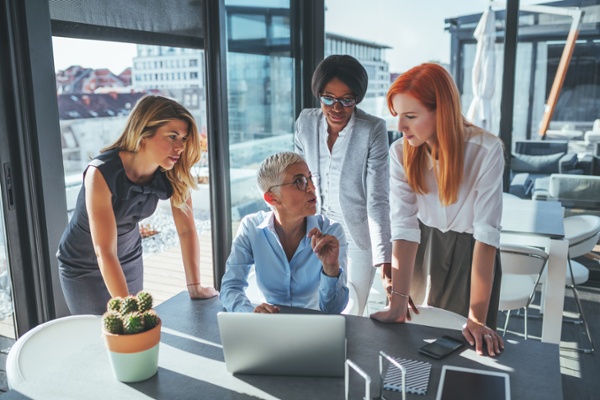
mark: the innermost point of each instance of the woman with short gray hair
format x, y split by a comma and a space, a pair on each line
299, 258
272, 170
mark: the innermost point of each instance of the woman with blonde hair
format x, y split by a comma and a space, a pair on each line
446, 207
100, 252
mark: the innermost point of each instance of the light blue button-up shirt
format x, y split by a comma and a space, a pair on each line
300, 282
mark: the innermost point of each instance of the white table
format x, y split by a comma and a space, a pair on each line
540, 223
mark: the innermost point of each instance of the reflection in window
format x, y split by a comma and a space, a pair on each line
6, 304
261, 101
94, 103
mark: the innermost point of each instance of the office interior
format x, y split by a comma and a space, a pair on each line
248, 67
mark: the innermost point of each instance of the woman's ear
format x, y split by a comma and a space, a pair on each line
271, 198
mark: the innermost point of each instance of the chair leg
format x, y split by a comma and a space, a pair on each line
525, 323
585, 324
506, 323
581, 319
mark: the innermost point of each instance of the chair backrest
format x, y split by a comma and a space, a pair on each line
522, 260
582, 232
580, 191
41, 348
541, 147
438, 317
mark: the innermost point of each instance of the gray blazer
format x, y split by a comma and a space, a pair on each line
364, 196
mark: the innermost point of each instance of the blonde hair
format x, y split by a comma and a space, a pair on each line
147, 116
433, 86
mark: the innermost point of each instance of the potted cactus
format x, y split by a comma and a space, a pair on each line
132, 335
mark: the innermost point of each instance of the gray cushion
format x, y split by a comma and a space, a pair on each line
542, 163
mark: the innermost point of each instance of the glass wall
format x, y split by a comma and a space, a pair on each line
260, 74
389, 37
96, 91
542, 40
7, 326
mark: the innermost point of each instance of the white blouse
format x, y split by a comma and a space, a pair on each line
478, 209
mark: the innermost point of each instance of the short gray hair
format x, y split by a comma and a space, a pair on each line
271, 170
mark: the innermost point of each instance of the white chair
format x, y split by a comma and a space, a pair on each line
522, 269
253, 293
437, 317
583, 233
352, 306
46, 344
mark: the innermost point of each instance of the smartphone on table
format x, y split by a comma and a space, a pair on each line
442, 347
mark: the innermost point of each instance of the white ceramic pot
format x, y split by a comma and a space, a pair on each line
134, 357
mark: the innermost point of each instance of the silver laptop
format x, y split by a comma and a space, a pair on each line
283, 344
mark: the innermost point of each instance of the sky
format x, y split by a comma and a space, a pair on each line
414, 29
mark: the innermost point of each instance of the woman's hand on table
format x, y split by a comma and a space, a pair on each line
266, 308
197, 291
393, 314
477, 334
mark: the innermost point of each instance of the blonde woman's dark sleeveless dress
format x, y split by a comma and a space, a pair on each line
80, 277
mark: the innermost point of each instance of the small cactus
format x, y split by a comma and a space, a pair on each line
144, 301
114, 304
133, 323
129, 305
132, 314
150, 319
112, 322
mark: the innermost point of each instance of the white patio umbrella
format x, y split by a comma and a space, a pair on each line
483, 75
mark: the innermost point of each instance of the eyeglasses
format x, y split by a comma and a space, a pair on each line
301, 183
330, 101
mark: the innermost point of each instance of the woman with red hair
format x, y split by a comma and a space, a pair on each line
446, 206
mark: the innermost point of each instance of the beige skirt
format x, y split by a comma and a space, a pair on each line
442, 275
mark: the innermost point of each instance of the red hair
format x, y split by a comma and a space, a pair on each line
433, 86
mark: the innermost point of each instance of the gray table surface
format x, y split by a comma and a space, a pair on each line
542, 218
191, 364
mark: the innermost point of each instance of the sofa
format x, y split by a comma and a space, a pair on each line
535, 160
590, 163
573, 191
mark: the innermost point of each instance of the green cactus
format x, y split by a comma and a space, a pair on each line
112, 322
150, 319
132, 314
129, 305
144, 301
114, 304
133, 323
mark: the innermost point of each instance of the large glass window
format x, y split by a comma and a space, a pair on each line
542, 42
7, 327
389, 37
260, 76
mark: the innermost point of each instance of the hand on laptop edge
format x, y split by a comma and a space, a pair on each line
266, 308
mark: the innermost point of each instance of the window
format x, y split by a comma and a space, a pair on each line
91, 120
